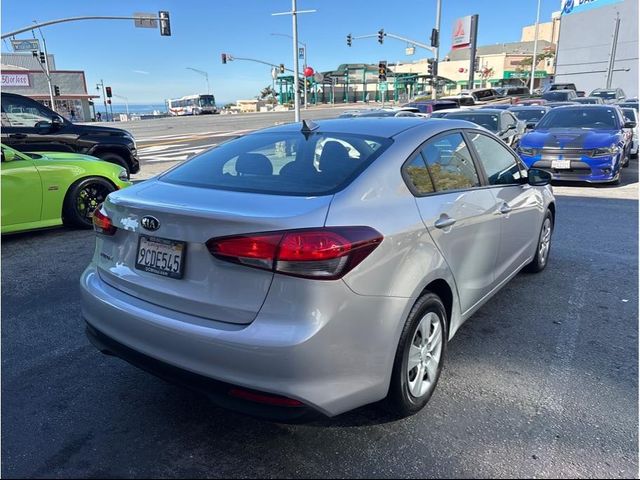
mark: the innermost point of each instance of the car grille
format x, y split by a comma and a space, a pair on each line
577, 167
566, 153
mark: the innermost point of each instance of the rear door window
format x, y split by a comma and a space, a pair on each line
450, 164
285, 163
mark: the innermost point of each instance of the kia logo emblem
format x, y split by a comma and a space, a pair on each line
150, 223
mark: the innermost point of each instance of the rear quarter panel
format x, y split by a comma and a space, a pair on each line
59, 171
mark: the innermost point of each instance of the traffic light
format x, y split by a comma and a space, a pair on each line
432, 68
108, 101
381, 36
42, 58
435, 38
56, 90
224, 58
349, 40
282, 68
165, 23
382, 71
108, 89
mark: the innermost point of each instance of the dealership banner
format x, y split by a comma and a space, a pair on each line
577, 6
15, 80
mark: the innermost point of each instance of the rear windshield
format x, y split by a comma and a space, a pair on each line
557, 95
606, 94
282, 163
529, 114
585, 118
486, 120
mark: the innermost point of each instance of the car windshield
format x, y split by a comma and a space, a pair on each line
606, 94
486, 120
207, 101
529, 114
556, 95
584, 118
281, 163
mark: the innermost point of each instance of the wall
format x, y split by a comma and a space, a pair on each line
585, 44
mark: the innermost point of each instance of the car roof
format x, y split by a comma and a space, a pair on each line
386, 127
528, 107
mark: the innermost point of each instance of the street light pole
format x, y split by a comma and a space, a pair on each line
104, 98
535, 51
48, 69
304, 61
436, 49
203, 73
296, 67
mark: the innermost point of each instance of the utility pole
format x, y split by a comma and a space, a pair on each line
104, 98
535, 51
204, 74
472, 50
436, 47
47, 68
296, 67
304, 61
612, 56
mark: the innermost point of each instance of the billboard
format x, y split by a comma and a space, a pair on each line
15, 80
577, 6
461, 33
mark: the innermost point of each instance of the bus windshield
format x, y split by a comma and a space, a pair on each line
207, 101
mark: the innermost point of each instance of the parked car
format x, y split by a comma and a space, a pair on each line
629, 104
500, 106
631, 115
443, 113
379, 112
29, 126
501, 122
513, 91
609, 95
589, 100
561, 86
478, 97
254, 275
530, 114
579, 143
560, 95
47, 189
430, 106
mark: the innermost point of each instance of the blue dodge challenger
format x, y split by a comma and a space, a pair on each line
583, 143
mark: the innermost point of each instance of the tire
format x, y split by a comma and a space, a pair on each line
541, 259
627, 159
115, 158
82, 198
405, 396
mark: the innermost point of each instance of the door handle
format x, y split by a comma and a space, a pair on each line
444, 221
18, 136
504, 209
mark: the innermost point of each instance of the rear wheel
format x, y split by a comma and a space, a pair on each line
539, 262
419, 358
82, 199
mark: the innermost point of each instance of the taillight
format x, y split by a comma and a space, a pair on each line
102, 223
323, 253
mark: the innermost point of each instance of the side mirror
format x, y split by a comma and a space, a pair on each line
538, 178
57, 122
8, 155
531, 125
629, 124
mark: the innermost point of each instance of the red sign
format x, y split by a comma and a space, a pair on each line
462, 33
308, 72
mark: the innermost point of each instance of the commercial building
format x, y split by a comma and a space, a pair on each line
22, 73
587, 34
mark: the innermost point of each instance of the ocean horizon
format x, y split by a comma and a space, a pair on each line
139, 108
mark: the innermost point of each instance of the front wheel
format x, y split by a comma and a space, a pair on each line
539, 262
419, 358
82, 199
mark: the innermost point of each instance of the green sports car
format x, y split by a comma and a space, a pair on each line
46, 189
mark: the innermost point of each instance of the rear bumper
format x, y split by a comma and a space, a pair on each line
327, 347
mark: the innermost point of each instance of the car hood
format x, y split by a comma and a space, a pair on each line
570, 138
106, 131
63, 157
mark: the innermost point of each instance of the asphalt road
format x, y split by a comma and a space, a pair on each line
541, 382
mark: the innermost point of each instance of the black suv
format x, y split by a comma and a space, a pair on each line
29, 126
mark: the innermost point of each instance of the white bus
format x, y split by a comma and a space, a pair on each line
192, 105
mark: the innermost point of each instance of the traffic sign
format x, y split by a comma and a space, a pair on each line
25, 45
145, 20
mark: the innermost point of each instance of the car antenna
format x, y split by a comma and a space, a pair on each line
308, 126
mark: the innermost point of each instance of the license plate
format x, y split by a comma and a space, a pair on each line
561, 164
161, 256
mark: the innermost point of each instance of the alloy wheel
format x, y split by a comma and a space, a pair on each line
424, 355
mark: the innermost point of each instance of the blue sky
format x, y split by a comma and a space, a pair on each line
147, 68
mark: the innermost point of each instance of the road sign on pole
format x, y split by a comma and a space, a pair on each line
25, 45
145, 20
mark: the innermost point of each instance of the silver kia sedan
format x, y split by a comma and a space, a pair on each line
315, 267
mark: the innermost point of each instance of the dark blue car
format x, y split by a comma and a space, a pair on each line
583, 143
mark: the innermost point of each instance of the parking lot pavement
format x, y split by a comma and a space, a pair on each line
542, 381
